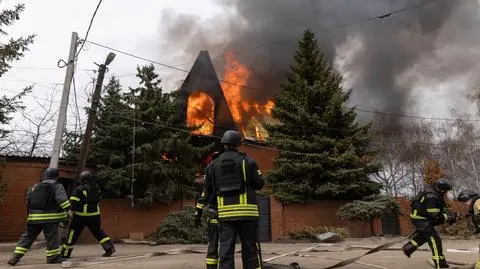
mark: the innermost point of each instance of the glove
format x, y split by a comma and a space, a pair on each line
198, 217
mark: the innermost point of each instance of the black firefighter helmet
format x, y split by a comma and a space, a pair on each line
51, 173
466, 195
231, 137
443, 185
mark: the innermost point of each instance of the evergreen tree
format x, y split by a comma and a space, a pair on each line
324, 151
112, 142
165, 159
11, 51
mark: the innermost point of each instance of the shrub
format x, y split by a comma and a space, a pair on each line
310, 233
179, 228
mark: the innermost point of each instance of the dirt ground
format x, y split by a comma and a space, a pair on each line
323, 256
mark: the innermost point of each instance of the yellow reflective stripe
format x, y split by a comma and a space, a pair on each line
47, 216
52, 252
67, 247
423, 199
200, 206
477, 264
70, 236
104, 240
238, 214
414, 243
220, 201
84, 193
435, 251
203, 194
212, 261
415, 216
74, 198
20, 250
65, 204
433, 210
86, 214
445, 216
234, 207
243, 196
213, 221
258, 257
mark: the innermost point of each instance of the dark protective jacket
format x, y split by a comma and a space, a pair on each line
86, 199
47, 202
205, 198
429, 206
242, 206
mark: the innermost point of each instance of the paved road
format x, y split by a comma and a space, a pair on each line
321, 258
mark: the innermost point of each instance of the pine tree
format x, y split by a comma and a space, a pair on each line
112, 142
324, 151
165, 159
11, 51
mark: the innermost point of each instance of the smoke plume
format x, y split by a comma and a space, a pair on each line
422, 43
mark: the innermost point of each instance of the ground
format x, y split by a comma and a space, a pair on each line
324, 256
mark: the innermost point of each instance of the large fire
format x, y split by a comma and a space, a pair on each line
246, 112
200, 113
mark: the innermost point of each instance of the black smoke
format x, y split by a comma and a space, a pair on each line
420, 42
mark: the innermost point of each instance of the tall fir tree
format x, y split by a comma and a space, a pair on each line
324, 151
112, 142
165, 159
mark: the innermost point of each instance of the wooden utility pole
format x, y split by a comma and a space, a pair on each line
92, 114
62, 114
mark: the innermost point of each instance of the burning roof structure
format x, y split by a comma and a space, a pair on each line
216, 106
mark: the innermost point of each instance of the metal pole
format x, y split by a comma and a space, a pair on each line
92, 114
62, 114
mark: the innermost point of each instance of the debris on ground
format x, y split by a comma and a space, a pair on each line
330, 237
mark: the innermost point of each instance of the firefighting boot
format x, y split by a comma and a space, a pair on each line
14, 259
441, 264
409, 248
109, 252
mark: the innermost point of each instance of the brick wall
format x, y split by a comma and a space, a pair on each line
119, 219
288, 218
22, 175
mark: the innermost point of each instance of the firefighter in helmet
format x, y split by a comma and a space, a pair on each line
212, 228
472, 199
85, 201
47, 205
233, 180
428, 210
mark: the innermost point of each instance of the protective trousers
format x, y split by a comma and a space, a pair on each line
31, 234
76, 227
212, 251
477, 264
431, 236
246, 230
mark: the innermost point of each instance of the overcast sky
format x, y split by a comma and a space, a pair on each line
134, 27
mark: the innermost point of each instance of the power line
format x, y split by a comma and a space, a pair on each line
88, 30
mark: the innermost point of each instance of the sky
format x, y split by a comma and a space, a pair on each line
134, 28
139, 27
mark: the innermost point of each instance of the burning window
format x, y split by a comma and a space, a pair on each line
200, 113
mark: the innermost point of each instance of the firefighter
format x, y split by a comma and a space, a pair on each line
233, 180
473, 202
85, 201
429, 210
212, 227
47, 206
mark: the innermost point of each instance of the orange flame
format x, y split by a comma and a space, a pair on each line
237, 75
200, 113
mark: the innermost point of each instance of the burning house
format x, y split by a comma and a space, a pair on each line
215, 106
